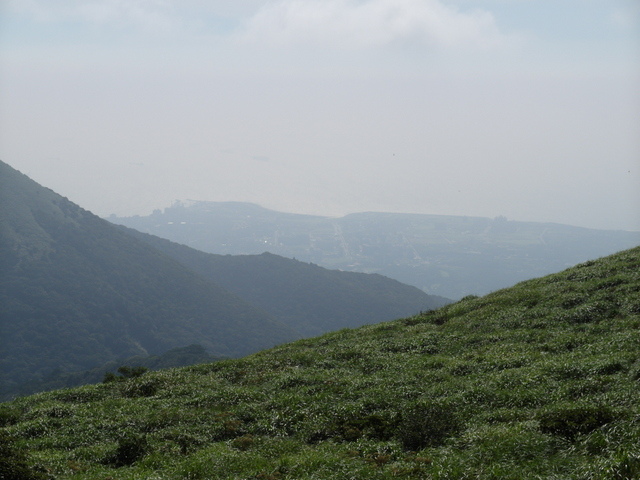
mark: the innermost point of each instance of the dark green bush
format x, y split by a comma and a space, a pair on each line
372, 426
632, 307
9, 415
589, 386
411, 321
468, 298
130, 449
140, 388
609, 283
627, 467
572, 301
568, 371
428, 424
609, 367
58, 412
78, 395
439, 318
570, 421
243, 443
14, 462
227, 427
125, 373
593, 312
185, 441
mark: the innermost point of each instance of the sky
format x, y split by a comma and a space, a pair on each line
528, 109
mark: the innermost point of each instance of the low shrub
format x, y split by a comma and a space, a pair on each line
140, 387
130, 449
9, 415
593, 312
428, 424
186, 442
372, 426
572, 420
125, 373
626, 466
243, 443
14, 462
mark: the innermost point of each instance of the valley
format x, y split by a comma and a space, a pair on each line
442, 255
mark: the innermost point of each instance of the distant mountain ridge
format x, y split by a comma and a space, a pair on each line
450, 256
77, 292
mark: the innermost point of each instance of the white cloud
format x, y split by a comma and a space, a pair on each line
354, 24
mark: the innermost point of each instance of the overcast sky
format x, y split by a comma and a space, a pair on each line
523, 108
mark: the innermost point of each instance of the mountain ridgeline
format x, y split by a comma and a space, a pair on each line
540, 380
77, 291
442, 255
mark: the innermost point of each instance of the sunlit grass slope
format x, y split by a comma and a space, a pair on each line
541, 380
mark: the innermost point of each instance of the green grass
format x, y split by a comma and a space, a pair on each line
541, 380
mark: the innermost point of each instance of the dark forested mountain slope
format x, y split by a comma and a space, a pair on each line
537, 381
309, 298
76, 292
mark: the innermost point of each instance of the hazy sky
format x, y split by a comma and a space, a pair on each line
523, 108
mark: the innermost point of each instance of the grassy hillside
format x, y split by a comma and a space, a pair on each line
541, 380
176, 357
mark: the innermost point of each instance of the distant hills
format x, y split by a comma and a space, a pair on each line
77, 291
540, 380
451, 256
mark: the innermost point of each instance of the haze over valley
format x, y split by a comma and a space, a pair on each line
443, 255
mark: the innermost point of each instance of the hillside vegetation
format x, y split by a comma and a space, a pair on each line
541, 380
176, 357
